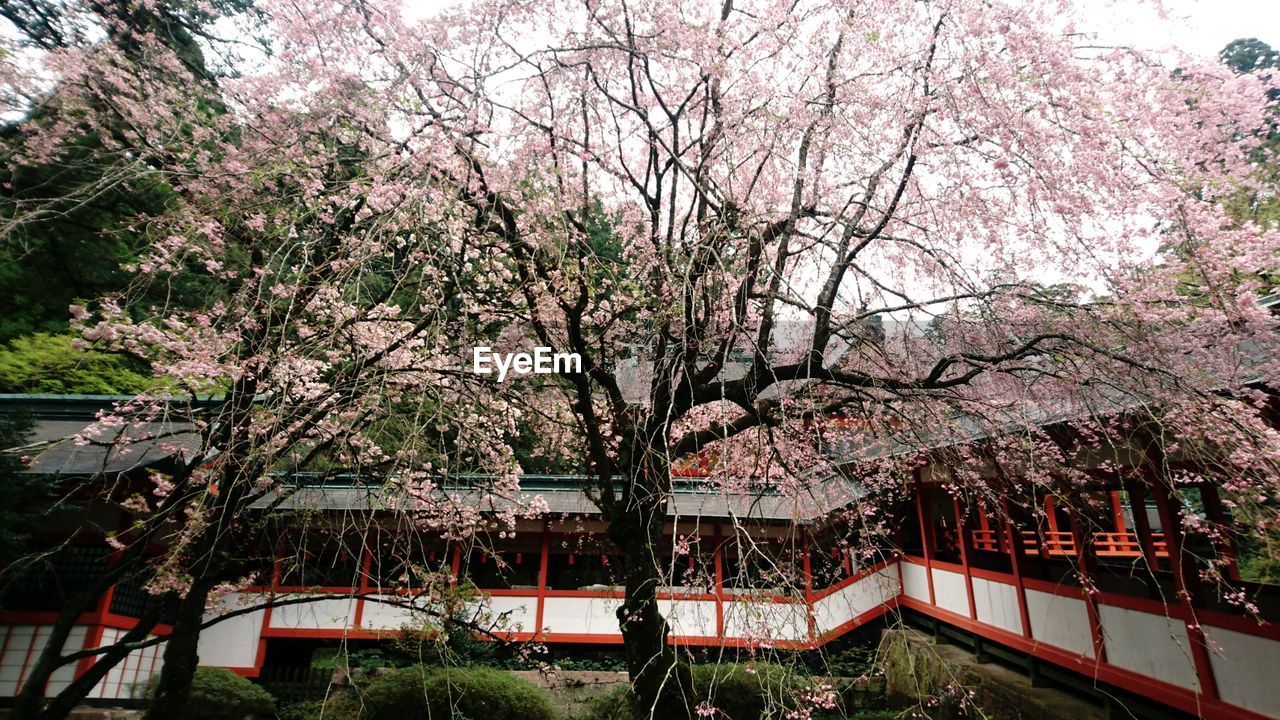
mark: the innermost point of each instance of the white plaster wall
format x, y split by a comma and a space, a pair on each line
694, 618
1153, 645
18, 644
509, 614
915, 581
1060, 621
129, 677
768, 621
1246, 669
22, 645
329, 614
581, 615
862, 596
949, 591
381, 616
996, 603
233, 642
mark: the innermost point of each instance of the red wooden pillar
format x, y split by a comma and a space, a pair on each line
1016, 558
963, 540
808, 589
1087, 569
366, 570
93, 636
1225, 545
1141, 523
277, 573
1051, 514
1184, 576
984, 524
1117, 511
543, 558
719, 588
926, 537
1185, 581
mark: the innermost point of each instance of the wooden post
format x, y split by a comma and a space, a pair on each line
1086, 566
1016, 562
1051, 514
1226, 546
542, 577
926, 536
1142, 525
1117, 511
808, 588
962, 539
719, 588
1184, 578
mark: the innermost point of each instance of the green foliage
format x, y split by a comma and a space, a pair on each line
355, 661
599, 663
737, 691
849, 656
615, 704
305, 710
51, 364
1260, 569
747, 692
219, 694
1250, 55
75, 250
478, 693
1258, 560
339, 705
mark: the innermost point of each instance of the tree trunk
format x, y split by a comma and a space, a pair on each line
61, 705
181, 656
30, 699
661, 683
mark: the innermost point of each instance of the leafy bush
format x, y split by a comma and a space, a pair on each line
302, 710
44, 363
612, 705
759, 691
747, 692
478, 693
219, 694
338, 705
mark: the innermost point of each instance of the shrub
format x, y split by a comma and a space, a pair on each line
219, 694
612, 705
478, 693
338, 705
758, 691
301, 710
747, 692
44, 363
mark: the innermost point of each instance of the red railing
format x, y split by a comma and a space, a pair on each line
1113, 544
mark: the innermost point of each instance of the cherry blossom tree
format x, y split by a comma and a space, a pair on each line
322, 310
714, 205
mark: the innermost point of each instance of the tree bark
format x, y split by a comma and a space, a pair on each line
661, 684
181, 655
31, 697
61, 705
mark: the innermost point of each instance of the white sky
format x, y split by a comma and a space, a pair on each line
1201, 27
